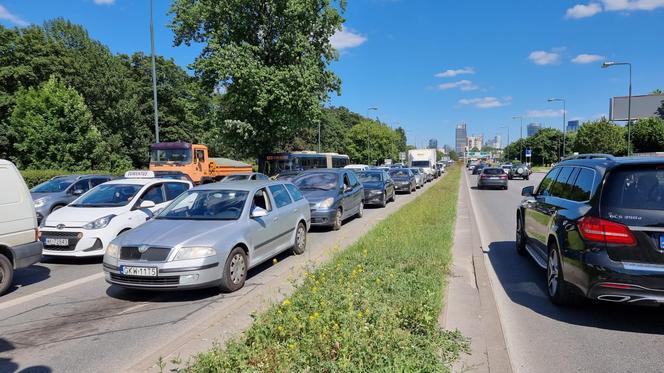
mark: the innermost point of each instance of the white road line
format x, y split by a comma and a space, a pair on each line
49, 291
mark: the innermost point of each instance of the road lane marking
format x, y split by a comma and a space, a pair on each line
49, 291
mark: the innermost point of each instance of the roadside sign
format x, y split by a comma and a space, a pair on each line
402, 156
529, 152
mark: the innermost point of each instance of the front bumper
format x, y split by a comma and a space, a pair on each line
373, 199
27, 254
82, 242
323, 217
186, 274
403, 186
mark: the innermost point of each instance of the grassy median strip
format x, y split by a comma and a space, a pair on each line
374, 307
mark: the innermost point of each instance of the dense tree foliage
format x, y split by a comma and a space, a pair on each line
546, 146
648, 135
601, 136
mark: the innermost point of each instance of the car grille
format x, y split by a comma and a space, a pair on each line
153, 254
137, 280
71, 236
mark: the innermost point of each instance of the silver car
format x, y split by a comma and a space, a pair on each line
210, 236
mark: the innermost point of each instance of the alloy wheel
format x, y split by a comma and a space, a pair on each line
300, 239
552, 272
237, 268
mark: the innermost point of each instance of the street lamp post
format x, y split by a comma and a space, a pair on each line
564, 123
520, 118
369, 135
608, 64
154, 78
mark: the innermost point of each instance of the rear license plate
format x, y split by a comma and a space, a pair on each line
139, 271
57, 242
494, 177
661, 242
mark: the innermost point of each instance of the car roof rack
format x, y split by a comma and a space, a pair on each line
589, 156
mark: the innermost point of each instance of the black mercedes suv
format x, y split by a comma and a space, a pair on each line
597, 225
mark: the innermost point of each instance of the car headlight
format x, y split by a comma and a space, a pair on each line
39, 202
99, 223
375, 192
113, 250
325, 204
185, 253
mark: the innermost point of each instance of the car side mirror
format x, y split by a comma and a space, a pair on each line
258, 212
528, 191
77, 192
147, 204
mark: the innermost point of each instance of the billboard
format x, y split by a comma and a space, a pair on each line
642, 106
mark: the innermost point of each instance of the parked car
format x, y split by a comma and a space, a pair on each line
492, 177
242, 176
333, 194
420, 178
378, 187
507, 167
59, 191
596, 225
210, 236
86, 226
404, 180
19, 243
175, 175
357, 167
521, 171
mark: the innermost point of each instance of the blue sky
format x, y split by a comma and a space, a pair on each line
428, 65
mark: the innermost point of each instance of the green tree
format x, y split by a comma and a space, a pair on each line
272, 59
454, 155
52, 127
600, 136
380, 139
648, 135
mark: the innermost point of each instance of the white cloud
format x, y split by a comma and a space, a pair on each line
7, 16
587, 58
104, 2
583, 11
486, 102
344, 39
589, 10
544, 57
548, 113
464, 85
452, 73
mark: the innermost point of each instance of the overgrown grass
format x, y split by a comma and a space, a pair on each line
374, 307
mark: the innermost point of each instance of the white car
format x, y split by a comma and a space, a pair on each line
86, 226
357, 167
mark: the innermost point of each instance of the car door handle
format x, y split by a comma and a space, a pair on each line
275, 219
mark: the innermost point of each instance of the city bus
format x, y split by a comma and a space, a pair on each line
275, 163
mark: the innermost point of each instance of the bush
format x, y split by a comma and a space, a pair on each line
374, 307
34, 177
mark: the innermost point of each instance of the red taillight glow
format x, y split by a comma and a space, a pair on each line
600, 230
612, 285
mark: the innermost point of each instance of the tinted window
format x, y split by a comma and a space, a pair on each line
53, 186
175, 189
493, 171
546, 183
281, 197
560, 187
108, 195
154, 194
366, 177
98, 180
294, 192
313, 181
583, 185
404, 172
83, 185
635, 188
353, 179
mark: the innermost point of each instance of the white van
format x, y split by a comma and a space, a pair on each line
19, 236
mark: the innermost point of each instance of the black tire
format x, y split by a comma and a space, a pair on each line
360, 212
559, 291
235, 271
300, 244
394, 194
336, 225
383, 200
6, 274
527, 178
520, 236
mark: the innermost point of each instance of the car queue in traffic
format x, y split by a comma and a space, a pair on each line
162, 232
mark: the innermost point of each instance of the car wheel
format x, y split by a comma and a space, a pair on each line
383, 200
559, 291
520, 236
336, 225
360, 212
235, 271
527, 178
394, 193
6, 274
300, 239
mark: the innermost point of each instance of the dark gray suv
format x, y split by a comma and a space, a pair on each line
62, 190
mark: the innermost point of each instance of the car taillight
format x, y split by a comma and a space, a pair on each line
503, 176
600, 230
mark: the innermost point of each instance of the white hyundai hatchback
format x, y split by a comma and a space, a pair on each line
87, 225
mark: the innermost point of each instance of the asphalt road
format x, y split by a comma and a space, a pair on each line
542, 337
63, 317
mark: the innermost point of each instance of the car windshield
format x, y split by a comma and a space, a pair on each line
640, 188
170, 156
53, 186
415, 171
206, 205
321, 181
108, 195
399, 173
367, 177
236, 177
421, 163
493, 171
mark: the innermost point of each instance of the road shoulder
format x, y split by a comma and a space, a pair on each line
470, 306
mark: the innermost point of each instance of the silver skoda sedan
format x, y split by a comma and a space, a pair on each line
210, 236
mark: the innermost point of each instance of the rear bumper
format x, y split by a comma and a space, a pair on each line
492, 183
27, 255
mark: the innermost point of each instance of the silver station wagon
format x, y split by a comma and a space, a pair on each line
210, 236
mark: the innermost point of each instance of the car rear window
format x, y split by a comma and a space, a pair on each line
493, 171
635, 188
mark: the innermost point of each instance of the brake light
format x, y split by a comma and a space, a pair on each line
600, 230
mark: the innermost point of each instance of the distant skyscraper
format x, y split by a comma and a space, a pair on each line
494, 143
433, 144
572, 125
533, 128
461, 138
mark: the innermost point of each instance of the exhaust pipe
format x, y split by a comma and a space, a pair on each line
614, 298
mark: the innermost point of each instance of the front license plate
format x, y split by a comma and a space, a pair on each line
57, 242
661, 242
139, 271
